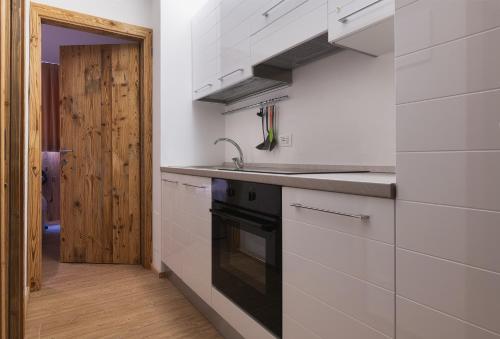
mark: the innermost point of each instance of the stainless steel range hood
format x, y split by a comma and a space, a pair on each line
275, 72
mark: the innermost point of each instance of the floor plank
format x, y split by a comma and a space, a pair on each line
108, 301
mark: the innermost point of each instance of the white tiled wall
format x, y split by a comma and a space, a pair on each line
448, 168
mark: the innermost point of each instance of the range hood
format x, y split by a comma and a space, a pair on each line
275, 72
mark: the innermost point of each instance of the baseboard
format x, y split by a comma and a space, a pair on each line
224, 328
161, 275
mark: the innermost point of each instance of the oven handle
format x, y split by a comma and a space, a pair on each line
263, 226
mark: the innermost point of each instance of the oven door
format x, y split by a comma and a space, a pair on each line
246, 262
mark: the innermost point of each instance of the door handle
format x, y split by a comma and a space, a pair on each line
266, 13
344, 18
194, 186
357, 216
203, 87
64, 151
228, 74
170, 181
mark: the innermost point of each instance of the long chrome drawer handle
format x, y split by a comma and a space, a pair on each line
199, 89
357, 216
266, 13
171, 181
195, 186
344, 19
228, 74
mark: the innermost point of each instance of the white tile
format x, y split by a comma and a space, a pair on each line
466, 179
416, 321
380, 226
367, 303
323, 320
426, 23
465, 122
365, 259
465, 292
461, 66
464, 235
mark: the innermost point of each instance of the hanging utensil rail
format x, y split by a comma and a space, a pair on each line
259, 104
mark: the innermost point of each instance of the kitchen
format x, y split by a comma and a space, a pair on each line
309, 169
349, 241
231, 231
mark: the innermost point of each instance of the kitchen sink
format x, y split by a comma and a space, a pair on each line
285, 171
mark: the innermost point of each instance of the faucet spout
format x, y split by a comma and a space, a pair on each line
238, 161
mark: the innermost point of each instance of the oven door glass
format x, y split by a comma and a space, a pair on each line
246, 263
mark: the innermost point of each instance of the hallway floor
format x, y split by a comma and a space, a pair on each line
108, 301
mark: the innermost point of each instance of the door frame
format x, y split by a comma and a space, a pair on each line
12, 169
46, 14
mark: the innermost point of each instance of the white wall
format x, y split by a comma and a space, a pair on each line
136, 12
448, 169
341, 111
188, 129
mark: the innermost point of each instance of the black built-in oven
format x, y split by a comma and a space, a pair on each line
246, 248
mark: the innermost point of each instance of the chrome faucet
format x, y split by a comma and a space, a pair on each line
238, 162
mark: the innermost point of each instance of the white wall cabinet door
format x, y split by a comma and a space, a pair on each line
236, 23
363, 25
186, 230
279, 25
205, 44
338, 269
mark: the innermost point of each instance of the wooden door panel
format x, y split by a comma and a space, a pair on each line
126, 154
100, 202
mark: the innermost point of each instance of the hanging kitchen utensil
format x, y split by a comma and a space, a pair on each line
267, 143
273, 131
261, 115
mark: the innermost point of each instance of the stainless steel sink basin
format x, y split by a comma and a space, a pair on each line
288, 171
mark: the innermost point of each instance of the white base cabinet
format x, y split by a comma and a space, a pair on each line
186, 231
338, 265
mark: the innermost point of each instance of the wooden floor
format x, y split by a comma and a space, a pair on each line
108, 301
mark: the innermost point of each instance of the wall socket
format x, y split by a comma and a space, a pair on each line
285, 140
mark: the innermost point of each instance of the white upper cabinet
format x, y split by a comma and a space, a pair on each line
235, 64
205, 32
279, 25
363, 25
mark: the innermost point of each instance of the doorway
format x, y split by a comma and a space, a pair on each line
90, 163
90, 127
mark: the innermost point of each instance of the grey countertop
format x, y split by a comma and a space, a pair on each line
381, 185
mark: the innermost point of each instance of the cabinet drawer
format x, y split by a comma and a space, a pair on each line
271, 11
235, 63
346, 17
305, 22
371, 305
379, 225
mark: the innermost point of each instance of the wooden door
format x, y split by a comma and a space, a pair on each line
100, 154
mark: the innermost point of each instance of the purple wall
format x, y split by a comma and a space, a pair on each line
53, 37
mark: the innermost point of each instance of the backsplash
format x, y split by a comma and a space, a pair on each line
341, 111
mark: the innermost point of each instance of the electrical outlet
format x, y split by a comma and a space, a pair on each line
285, 140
